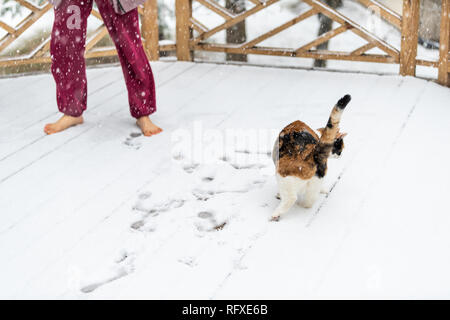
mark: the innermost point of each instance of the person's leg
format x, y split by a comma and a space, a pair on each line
124, 30
68, 66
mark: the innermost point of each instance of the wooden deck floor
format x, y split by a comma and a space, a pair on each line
66, 200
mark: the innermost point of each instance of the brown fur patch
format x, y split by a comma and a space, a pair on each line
295, 151
298, 126
341, 135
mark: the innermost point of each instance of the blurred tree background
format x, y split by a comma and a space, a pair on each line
13, 7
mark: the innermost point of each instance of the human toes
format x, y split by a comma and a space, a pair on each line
48, 129
147, 133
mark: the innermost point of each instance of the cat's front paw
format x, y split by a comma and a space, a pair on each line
324, 190
275, 218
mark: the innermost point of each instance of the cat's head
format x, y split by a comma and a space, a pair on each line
338, 143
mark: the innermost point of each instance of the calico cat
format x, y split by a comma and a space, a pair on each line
300, 158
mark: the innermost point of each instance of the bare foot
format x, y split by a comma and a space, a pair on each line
147, 126
62, 124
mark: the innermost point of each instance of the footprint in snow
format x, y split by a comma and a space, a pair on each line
202, 195
241, 165
189, 261
248, 166
205, 215
178, 156
189, 168
208, 222
131, 141
124, 266
245, 151
145, 195
154, 211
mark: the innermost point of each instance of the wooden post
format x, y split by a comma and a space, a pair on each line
410, 31
150, 30
237, 34
183, 13
444, 45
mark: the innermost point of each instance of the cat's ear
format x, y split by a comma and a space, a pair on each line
341, 135
321, 130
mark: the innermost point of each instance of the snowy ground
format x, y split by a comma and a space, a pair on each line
102, 212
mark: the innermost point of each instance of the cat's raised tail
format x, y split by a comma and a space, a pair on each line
323, 148
332, 128
343, 102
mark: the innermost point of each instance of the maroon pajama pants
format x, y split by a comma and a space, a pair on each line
68, 66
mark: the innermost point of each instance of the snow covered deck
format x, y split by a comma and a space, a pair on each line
101, 212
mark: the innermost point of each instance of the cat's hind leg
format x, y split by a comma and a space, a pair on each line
324, 190
312, 192
288, 195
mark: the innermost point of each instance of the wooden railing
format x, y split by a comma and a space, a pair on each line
444, 45
40, 54
192, 35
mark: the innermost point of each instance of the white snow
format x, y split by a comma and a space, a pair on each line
100, 211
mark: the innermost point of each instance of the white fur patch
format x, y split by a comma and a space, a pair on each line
291, 187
